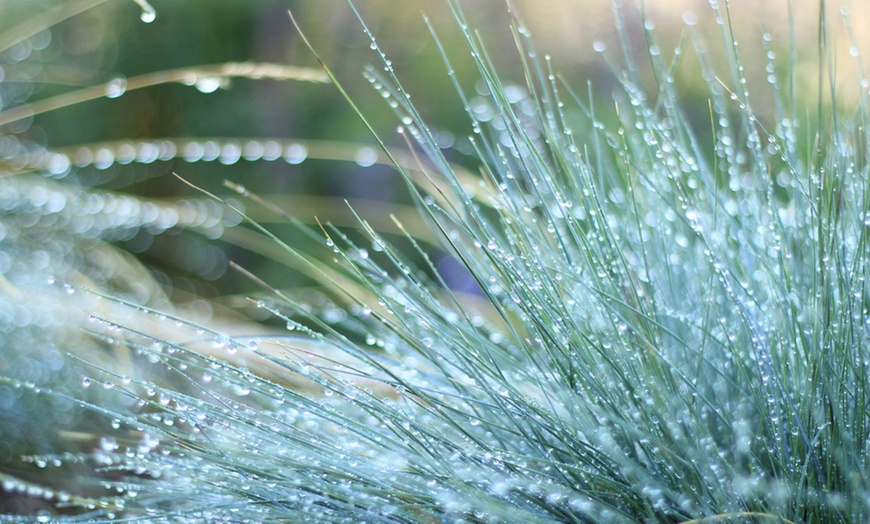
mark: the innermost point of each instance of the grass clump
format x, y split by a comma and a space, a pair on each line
666, 327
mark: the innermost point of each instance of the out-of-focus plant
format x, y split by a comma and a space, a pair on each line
59, 229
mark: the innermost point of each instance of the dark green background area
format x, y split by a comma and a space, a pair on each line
110, 40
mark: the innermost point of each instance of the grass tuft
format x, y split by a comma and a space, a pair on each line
667, 323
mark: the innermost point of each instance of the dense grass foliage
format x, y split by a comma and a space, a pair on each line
667, 324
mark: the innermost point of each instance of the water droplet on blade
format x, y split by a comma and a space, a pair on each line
116, 87
296, 154
209, 84
149, 14
366, 157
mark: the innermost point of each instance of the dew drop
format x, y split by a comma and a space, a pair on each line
209, 84
296, 154
193, 152
116, 87
366, 157
240, 390
231, 153
104, 157
253, 151
690, 18
108, 444
149, 14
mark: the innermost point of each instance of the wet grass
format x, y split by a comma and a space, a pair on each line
664, 327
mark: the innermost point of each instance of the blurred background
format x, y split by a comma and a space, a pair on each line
109, 42
327, 153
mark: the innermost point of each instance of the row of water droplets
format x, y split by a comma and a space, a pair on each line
95, 213
117, 86
21, 156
